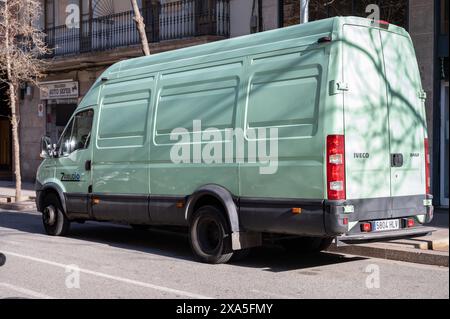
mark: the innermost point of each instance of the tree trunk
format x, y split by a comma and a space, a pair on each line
15, 137
13, 105
141, 27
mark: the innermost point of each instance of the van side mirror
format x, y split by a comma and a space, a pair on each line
47, 149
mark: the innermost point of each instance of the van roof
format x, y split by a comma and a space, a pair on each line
305, 33
319, 27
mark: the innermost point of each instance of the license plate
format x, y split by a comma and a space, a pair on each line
390, 224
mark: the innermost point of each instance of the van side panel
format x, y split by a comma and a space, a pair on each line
285, 93
121, 152
195, 105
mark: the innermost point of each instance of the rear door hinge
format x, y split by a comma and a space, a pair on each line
422, 95
337, 87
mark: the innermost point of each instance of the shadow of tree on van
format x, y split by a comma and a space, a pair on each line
399, 73
169, 244
404, 122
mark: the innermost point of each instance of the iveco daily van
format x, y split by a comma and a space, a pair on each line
343, 95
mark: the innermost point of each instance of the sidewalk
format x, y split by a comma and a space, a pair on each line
7, 196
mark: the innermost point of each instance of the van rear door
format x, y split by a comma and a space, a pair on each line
383, 113
407, 124
366, 117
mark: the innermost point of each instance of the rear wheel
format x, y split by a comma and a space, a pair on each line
55, 221
307, 244
209, 236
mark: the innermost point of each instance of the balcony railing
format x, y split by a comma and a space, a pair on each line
174, 20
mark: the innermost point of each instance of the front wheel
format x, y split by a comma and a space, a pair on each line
55, 221
209, 236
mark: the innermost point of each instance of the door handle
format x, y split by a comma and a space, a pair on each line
88, 165
396, 160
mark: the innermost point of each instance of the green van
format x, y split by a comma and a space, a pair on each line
342, 97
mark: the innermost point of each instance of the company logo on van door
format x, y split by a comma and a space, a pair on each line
361, 155
75, 177
226, 146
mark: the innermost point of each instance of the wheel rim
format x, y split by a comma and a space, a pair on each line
49, 215
210, 235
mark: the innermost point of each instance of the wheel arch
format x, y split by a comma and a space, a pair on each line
217, 194
50, 188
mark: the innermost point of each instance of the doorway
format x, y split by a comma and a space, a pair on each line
444, 171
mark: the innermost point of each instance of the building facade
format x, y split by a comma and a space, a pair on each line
106, 33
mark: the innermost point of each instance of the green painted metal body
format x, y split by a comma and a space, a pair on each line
364, 83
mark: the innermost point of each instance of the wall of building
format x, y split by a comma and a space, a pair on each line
240, 15
270, 14
421, 29
32, 127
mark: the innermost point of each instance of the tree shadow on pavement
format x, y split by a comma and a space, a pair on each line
170, 244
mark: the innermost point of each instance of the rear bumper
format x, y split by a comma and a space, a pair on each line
402, 233
358, 211
322, 218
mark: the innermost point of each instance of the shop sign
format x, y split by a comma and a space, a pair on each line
59, 90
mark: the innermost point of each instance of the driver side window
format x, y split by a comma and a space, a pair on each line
77, 134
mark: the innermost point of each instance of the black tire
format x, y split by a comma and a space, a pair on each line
307, 244
55, 221
140, 228
209, 236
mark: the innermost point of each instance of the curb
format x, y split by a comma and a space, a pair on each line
418, 256
20, 207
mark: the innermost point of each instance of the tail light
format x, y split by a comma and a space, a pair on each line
366, 227
427, 168
336, 167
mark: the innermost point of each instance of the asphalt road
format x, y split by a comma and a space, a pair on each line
114, 261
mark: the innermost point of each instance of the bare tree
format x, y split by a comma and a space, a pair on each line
141, 27
21, 46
